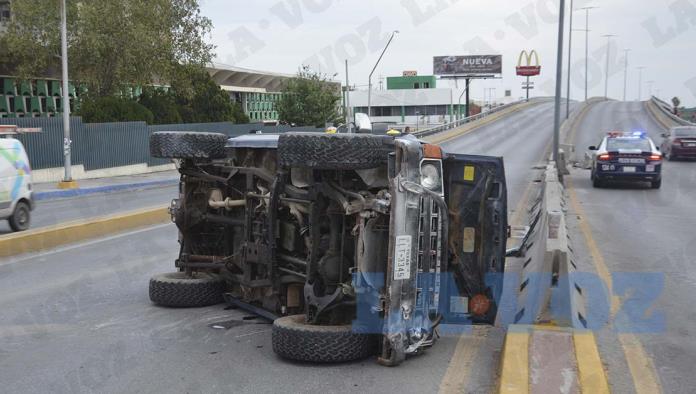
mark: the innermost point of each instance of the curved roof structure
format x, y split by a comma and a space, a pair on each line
238, 77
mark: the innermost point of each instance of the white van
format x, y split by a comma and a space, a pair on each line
16, 201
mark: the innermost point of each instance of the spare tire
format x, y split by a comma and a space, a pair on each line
294, 339
333, 151
176, 289
187, 145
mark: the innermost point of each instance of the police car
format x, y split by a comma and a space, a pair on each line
628, 157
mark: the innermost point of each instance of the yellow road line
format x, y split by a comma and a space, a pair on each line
50, 237
645, 379
514, 377
591, 375
462, 361
457, 373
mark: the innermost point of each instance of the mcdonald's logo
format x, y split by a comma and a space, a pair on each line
529, 69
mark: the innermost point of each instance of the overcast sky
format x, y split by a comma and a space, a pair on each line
281, 35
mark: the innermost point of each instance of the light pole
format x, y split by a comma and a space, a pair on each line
570, 53
640, 82
650, 86
67, 181
606, 70
587, 43
369, 81
559, 76
626, 51
348, 111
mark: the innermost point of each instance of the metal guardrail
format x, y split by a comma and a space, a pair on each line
457, 123
667, 110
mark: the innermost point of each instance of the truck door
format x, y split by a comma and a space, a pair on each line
476, 197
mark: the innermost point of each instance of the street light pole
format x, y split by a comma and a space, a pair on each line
625, 72
67, 181
606, 70
587, 43
349, 127
640, 82
559, 76
369, 81
570, 53
650, 86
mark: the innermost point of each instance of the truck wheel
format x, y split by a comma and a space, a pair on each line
187, 145
294, 339
176, 289
333, 151
21, 217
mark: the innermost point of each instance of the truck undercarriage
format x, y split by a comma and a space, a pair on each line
358, 244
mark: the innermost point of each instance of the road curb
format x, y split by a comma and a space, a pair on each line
517, 374
51, 237
55, 194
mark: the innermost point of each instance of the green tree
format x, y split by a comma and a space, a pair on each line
310, 99
112, 43
675, 105
162, 105
200, 100
114, 109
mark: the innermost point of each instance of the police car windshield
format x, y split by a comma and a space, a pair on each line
615, 144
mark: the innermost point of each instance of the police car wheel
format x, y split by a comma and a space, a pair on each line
596, 182
20, 219
656, 184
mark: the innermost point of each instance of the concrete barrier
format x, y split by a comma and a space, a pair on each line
549, 292
51, 237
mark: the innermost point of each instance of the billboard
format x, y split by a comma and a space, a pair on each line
528, 69
468, 65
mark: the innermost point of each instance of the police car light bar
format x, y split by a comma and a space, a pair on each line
12, 130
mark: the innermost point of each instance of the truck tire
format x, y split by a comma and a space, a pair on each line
187, 145
333, 151
176, 289
294, 339
21, 217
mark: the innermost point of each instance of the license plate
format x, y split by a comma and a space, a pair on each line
629, 169
402, 258
626, 160
691, 145
650, 168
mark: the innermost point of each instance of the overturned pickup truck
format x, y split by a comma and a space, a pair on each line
355, 244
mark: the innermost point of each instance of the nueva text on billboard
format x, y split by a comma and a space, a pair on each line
468, 65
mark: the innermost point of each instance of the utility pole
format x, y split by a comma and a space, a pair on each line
606, 70
640, 82
559, 77
67, 181
369, 81
570, 52
625, 72
587, 43
650, 87
349, 126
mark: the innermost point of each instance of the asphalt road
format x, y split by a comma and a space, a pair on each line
79, 318
52, 212
646, 240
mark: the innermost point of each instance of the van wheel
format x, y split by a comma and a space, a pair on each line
20, 219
